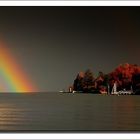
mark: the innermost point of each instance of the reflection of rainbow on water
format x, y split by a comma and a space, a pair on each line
12, 77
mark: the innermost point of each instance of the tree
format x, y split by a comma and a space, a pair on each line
88, 81
78, 82
122, 75
136, 81
102, 82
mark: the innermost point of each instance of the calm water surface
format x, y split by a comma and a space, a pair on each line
57, 111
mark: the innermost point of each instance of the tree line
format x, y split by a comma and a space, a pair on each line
125, 75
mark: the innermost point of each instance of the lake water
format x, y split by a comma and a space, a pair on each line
59, 111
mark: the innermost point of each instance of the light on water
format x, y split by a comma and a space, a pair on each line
58, 111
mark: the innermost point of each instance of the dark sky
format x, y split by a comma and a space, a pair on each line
53, 44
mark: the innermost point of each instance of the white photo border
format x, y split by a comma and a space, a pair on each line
68, 136
69, 3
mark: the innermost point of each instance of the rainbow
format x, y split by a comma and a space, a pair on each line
12, 77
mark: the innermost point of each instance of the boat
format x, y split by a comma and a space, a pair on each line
114, 89
63, 91
121, 92
125, 92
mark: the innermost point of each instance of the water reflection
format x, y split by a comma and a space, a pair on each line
69, 112
126, 111
10, 116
